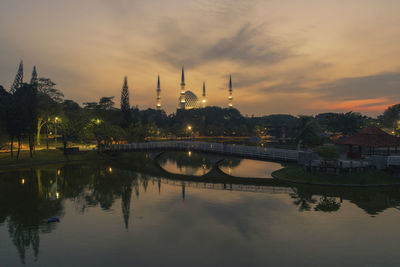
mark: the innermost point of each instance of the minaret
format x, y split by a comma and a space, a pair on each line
158, 94
203, 101
230, 98
182, 96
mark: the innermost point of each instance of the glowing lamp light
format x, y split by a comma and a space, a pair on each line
190, 153
110, 170
22, 181
57, 195
189, 128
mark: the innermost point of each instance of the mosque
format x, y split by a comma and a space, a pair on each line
188, 99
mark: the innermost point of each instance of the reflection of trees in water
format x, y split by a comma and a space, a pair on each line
303, 199
27, 200
25, 205
372, 200
196, 159
327, 204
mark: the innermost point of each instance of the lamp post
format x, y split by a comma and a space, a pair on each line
56, 119
189, 130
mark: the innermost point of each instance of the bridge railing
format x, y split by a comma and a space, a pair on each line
228, 149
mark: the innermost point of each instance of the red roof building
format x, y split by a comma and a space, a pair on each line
371, 137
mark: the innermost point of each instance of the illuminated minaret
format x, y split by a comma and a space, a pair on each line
182, 97
203, 101
158, 94
230, 98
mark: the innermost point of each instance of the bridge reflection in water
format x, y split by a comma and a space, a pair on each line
29, 197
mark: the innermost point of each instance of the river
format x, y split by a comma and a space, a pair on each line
115, 215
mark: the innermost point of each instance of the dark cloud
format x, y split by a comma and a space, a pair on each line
247, 46
365, 87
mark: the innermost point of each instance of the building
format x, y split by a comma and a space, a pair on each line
189, 100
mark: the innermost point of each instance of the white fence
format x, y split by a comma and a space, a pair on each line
227, 149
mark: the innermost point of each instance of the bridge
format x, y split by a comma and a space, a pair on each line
215, 177
252, 152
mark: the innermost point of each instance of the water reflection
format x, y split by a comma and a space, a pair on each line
193, 163
198, 164
27, 200
29, 197
251, 168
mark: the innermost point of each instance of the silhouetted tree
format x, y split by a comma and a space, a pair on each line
125, 106
391, 116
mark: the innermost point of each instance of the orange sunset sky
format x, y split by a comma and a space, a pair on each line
297, 57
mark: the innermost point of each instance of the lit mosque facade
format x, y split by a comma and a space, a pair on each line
189, 100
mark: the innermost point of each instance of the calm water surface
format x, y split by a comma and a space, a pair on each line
113, 215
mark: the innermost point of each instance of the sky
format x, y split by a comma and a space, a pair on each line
286, 57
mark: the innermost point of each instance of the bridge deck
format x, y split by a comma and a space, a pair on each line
225, 149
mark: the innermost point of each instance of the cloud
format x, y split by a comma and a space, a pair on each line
364, 87
247, 46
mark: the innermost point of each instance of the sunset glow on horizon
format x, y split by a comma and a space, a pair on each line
293, 57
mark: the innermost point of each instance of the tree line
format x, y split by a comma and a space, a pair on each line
36, 112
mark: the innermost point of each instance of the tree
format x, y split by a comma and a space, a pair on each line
73, 122
328, 153
106, 103
49, 98
104, 133
391, 116
125, 106
25, 98
4, 98
308, 131
136, 132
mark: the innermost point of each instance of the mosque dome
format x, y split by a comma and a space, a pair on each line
191, 100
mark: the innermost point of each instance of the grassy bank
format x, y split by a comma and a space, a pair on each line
296, 173
46, 157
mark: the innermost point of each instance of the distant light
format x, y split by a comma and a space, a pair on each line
110, 170
58, 172
189, 127
57, 195
190, 153
22, 181
204, 101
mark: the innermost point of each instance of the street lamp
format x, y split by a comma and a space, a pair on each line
189, 130
56, 119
